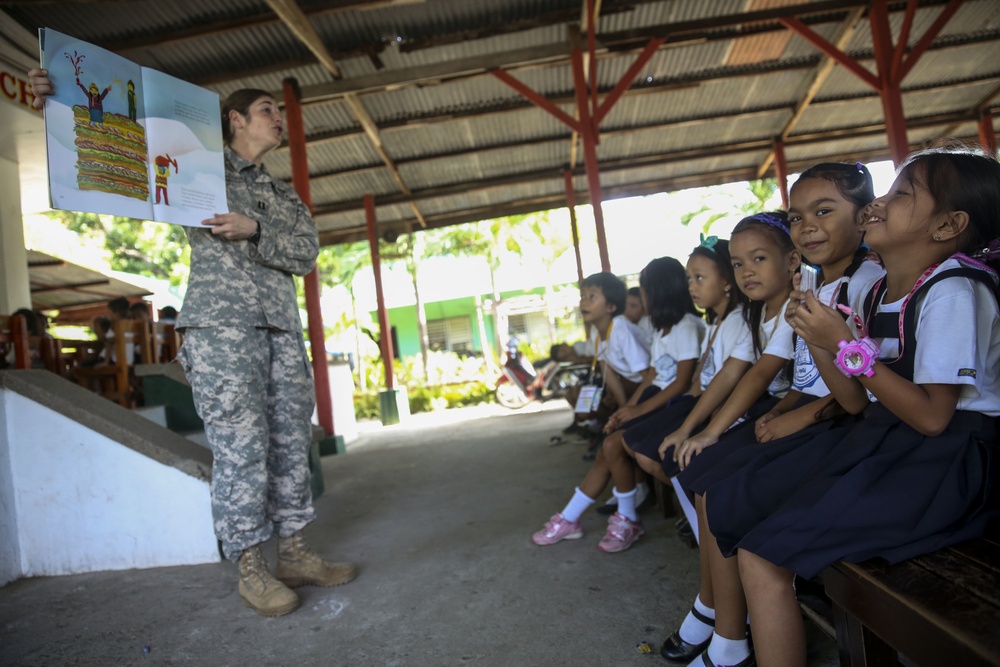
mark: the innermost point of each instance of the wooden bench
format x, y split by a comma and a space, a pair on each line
14, 338
942, 608
115, 379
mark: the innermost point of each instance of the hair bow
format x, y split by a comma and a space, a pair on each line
708, 242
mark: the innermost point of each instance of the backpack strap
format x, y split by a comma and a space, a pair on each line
886, 325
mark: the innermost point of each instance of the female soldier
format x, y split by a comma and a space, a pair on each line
245, 358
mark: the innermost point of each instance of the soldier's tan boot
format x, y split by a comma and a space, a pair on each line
260, 591
298, 565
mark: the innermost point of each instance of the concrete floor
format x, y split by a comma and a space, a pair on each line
437, 513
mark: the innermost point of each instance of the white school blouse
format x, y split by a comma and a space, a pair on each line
732, 340
682, 343
776, 338
623, 351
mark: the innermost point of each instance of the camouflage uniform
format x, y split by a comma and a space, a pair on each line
244, 355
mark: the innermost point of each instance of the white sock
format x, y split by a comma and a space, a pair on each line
577, 505
693, 630
725, 652
626, 503
690, 513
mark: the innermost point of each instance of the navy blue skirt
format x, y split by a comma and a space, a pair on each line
875, 488
645, 436
736, 439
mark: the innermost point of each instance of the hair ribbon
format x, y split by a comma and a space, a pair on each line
708, 242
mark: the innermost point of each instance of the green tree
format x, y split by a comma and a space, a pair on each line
718, 206
338, 265
143, 248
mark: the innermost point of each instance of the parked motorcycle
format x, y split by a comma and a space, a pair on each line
520, 383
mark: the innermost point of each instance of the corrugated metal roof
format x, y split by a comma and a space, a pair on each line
57, 284
703, 109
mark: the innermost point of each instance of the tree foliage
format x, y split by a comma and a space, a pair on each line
143, 248
755, 200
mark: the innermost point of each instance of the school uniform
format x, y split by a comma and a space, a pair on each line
880, 488
742, 444
649, 334
681, 343
729, 337
776, 337
622, 349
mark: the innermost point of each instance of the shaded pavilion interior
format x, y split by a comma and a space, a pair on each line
413, 114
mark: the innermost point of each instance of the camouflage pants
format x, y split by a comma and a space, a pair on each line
252, 387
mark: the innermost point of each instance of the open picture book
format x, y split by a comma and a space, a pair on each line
128, 140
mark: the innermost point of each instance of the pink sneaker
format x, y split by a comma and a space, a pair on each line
556, 530
622, 533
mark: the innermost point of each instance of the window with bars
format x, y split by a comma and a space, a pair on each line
453, 334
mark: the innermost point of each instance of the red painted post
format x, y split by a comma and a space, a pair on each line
889, 90
781, 171
592, 75
987, 137
385, 332
571, 205
300, 178
589, 141
627, 79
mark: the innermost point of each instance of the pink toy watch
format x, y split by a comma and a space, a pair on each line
857, 357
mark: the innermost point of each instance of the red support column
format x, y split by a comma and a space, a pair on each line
300, 178
889, 90
781, 171
592, 75
591, 113
385, 332
571, 205
987, 137
589, 140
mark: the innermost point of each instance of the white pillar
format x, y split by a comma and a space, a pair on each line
15, 288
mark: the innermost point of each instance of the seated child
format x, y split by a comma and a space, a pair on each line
675, 352
620, 355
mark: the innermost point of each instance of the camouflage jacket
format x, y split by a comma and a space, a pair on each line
238, 283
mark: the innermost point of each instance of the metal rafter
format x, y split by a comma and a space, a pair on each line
823, 71
223, 26
695, 153
292, 16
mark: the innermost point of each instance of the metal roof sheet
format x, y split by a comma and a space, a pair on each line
703, 108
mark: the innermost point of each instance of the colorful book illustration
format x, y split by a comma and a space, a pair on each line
128, 140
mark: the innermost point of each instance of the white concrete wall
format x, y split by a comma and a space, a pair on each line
73, 500
14, 286
10, 554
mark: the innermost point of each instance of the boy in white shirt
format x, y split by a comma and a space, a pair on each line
622, 355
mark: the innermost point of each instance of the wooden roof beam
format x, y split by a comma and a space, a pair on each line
607, 166
562, 136
557, 200
841, 40
293, 17
223, 26
519, 104
531, 57
675, 124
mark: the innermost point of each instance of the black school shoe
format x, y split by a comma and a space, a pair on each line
676, 649
749, 661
